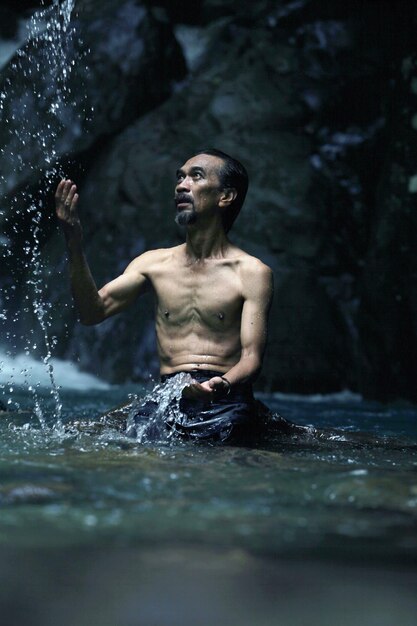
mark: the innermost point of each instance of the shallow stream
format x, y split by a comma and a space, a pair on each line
347, 489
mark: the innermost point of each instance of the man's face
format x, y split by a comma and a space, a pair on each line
198, 188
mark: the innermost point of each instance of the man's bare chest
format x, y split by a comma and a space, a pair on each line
211, 296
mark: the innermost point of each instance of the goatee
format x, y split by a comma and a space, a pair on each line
186, 217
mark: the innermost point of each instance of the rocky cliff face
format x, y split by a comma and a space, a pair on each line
318, 101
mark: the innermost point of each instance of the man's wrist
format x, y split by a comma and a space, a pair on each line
228, 384
74, 242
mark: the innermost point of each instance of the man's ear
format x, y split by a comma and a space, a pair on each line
227, 197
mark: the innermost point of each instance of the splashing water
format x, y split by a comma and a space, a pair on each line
162, 409
166, 396
35, 121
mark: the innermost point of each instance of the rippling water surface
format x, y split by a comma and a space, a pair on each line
345, 490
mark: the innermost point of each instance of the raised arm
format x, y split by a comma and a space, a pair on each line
93, 305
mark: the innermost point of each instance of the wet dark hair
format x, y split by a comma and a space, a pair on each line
232, 174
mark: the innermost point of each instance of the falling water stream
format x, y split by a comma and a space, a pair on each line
47, 76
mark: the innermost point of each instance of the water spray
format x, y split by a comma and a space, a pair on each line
45, 63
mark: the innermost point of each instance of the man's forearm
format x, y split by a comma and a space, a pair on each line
87, 300
245, 370
84, 290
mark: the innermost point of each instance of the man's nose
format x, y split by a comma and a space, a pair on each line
183, 185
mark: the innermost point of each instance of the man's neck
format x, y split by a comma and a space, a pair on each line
210, 242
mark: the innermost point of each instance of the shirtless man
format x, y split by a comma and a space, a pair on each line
212, 298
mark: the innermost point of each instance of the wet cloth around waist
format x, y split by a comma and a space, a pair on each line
240, 392
227, 417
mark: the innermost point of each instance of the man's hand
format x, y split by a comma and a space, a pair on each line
66, 200
208, 390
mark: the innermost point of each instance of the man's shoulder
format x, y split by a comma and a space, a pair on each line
252, 266
256, 277
155, 257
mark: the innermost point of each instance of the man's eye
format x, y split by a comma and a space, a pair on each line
197, 175
180, 177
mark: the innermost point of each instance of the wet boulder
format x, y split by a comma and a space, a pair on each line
308, 96
388, 286
74, 83
244, 102
70, 88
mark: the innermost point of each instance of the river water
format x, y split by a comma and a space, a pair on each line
342, 495
346, 489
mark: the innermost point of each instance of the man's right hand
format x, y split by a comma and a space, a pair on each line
206, 390
197, 391
66, 200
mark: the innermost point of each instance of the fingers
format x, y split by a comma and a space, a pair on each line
216, 383
60, 188
195, 390
70, 196
208, 389
66, 199
66, 191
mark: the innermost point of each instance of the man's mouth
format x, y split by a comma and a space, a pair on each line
182, 202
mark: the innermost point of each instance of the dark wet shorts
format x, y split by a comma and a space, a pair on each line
231, 418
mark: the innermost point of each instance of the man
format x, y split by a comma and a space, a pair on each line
212, 299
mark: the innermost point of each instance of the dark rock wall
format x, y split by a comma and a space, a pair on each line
318, 100
387, 317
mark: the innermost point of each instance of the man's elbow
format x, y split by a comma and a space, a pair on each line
92, 313
91, 318
256, 369
88, 321
254, 364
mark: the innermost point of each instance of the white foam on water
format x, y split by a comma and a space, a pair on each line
344, 397
25, 370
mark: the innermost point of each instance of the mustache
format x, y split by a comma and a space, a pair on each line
182, 197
